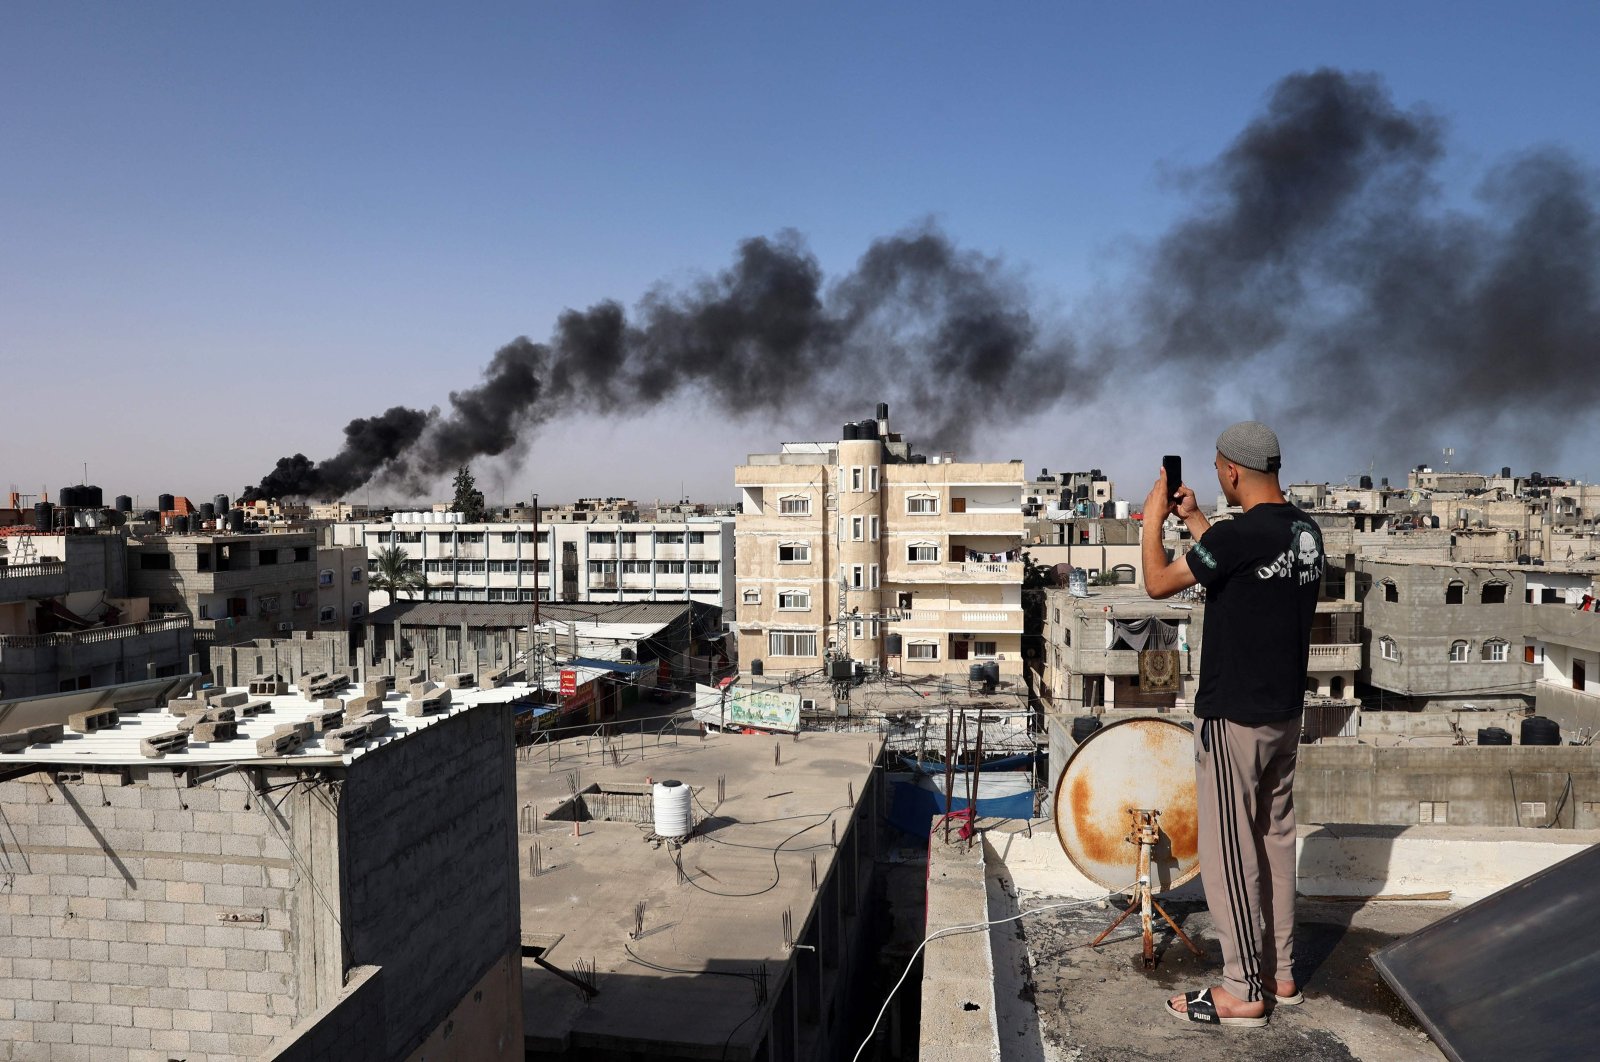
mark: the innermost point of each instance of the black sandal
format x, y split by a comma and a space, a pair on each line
1200, 1008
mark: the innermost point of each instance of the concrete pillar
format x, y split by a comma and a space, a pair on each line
194, 663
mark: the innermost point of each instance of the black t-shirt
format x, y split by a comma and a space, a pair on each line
1262, 572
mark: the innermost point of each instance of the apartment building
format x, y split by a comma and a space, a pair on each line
860, 548
1563, 644
233, 587
622, 562
68, 621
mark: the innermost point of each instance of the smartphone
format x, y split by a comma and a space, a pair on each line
1173, 464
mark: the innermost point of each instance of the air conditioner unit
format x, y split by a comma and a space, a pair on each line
286, 626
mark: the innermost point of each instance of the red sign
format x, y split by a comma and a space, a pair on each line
663, 671
569, 683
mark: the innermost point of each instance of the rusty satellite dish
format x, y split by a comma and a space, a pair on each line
1132, 765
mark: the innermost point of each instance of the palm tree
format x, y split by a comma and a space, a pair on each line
395, 572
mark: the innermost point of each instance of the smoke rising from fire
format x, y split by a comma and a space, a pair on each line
1320, 278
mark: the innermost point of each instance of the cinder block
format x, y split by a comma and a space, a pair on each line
378, 687
377, 724
326, 719
428, 706
15, 742
419, 690
268, 688
219, 731
460, 680
254, 708
159, 745
282, 742
185, 705
345, 738
89, 722
44, 735
304, 728
232, 699
363, 705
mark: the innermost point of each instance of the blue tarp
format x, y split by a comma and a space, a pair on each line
1010, 763
917, 799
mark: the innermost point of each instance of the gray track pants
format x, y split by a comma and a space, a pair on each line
1244, 779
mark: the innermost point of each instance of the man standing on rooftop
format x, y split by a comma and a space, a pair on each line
1262, 572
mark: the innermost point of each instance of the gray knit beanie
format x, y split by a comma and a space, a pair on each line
1251, 444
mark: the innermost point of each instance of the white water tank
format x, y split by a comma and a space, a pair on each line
1121, 510
674, 816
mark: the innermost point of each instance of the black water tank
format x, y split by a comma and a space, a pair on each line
43, 515
180, 525
221, 502
868, 429
208, 510
236, 521
1538, 730
91, 497
1366, 482
991, 673
166, 503
919, 459
112, 518
124, 504
975, 673
1081, 491
1505, 471
891, 644
1385, 481
1083, 726
67, 497
851, 432
883, 411
150, 514
756, 668
1493, 735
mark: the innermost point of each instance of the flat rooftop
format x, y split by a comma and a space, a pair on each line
1100, 1005
749, 862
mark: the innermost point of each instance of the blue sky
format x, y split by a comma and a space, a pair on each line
225, 230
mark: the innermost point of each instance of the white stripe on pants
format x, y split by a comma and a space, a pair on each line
1244, 778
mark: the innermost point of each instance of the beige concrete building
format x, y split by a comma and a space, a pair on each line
858, 549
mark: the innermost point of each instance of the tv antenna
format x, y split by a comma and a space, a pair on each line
1449, 452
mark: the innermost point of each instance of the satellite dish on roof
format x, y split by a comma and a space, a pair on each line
1125, 812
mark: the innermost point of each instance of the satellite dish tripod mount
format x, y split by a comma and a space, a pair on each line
1145, 833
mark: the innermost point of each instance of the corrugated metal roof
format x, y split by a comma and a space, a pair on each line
520, 614
120, 746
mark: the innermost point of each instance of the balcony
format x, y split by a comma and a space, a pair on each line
1334, 658
966, 572
998, 621
19, 582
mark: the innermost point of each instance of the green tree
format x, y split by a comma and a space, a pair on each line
469, 499
395, 572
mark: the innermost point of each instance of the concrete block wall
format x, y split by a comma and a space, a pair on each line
141, 922
430, 869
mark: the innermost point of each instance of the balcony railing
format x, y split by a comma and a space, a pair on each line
1335, 657
22, 571
95, 634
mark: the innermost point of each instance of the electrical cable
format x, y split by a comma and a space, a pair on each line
972, 928
677, 858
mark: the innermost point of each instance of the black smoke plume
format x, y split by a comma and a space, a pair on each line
1320, 279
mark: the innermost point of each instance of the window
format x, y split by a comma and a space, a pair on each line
302, 554
384, 537
508, 538
205, 610
857, 580
602, 567
857, 528
325, 577
408, 536
1494, 651
794, 505
669, 538
872, 478
528, 536
1453, 592
477, 566
922, 553
635, 567
265, 557
628, 538
1124, 574
791, 643
670, 567
794, 553
326, 614
855, 479
356, 610
435, 566
704, 567
1458, 652
535, 567
470, 537
752, 596
697, 538
984, 649
1532, 811
356, 574
1579, 674
445, 537
202, 560
872, 529
922, 504
302, 599
601, 538
922, 651
795, 600
1494, 594
1387, 649
872, 576
1391, 592
1436, 812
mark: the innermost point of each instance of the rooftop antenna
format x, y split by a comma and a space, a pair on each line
1449, 452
